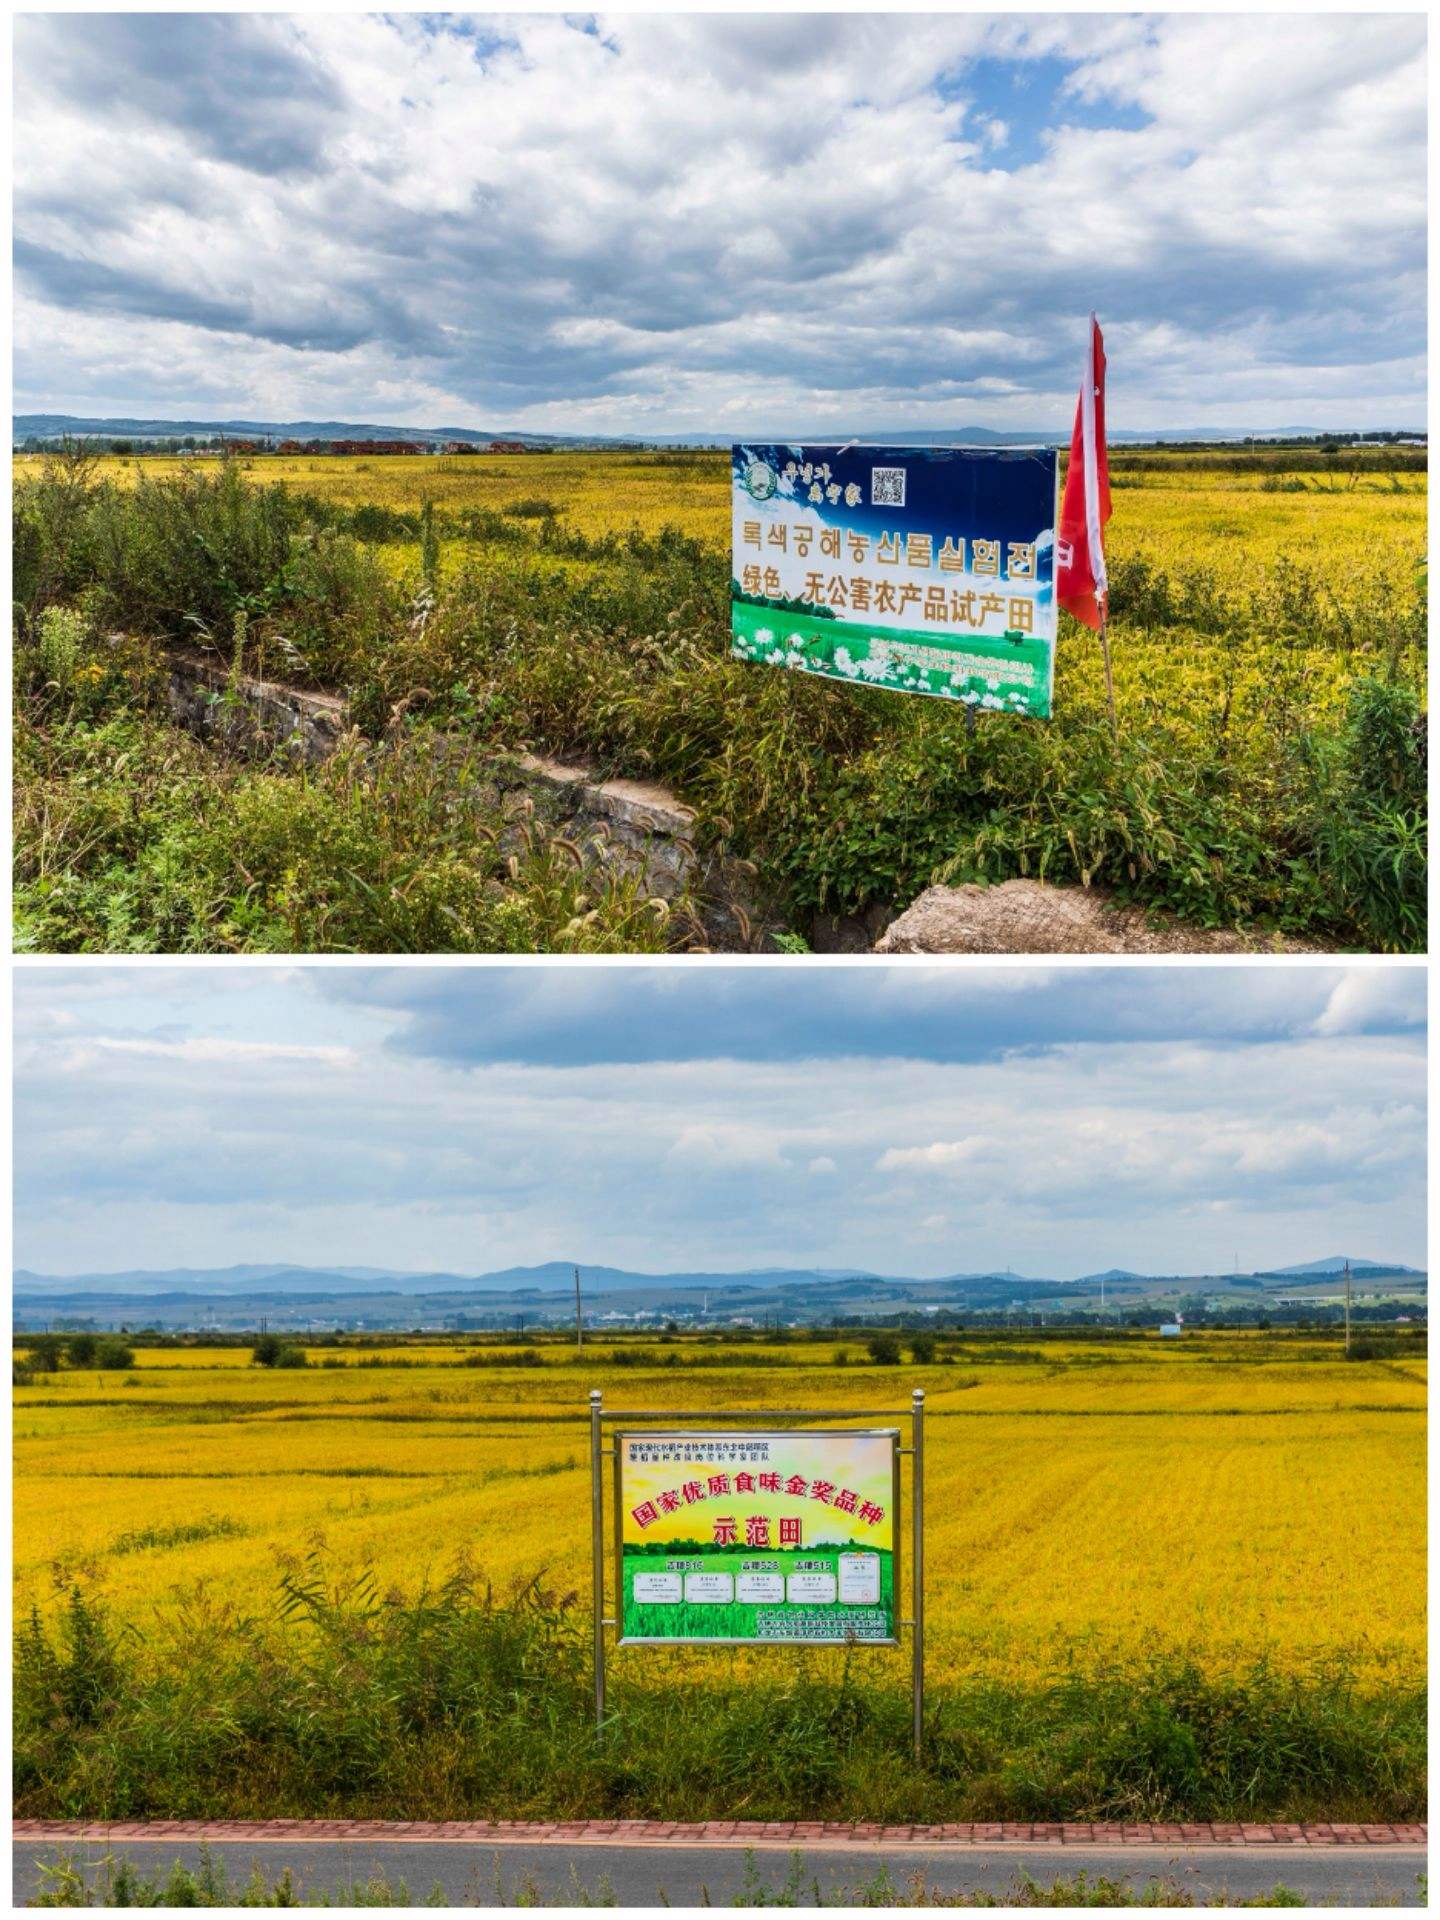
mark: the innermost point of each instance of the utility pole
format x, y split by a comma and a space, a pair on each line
579, 1323
1347, 1309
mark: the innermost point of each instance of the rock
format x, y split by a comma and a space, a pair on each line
1030, 916
848, 932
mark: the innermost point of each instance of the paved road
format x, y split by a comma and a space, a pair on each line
473, 1874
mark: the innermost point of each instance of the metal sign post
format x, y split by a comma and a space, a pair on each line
917, 1561
769, 1614
597, 1552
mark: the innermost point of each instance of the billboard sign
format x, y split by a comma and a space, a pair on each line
757, 1537
916, 569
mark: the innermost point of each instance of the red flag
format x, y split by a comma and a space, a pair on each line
1085, 507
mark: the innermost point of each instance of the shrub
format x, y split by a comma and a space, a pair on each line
1369, 811
884, 1349
58, 652
114, 1355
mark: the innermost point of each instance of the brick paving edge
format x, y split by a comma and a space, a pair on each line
732, 1833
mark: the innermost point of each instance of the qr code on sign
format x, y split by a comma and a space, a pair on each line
887, 486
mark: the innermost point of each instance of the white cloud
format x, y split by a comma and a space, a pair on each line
676, 221
939, 1154
255, 1114
729, 1147
1365, 994
217, 1052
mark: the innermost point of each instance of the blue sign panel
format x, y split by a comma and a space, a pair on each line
916, 569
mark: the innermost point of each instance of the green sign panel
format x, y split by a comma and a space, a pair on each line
757, 1537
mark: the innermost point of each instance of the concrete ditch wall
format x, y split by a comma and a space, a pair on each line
635, 828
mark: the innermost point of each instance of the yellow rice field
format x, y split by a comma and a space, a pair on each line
1183, 516
1235, 1496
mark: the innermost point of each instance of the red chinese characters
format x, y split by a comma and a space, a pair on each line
717, 1486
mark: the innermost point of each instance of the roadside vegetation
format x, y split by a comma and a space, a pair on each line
118, 1883
457, 1702
1269, 773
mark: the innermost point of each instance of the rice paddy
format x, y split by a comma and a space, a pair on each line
1238, 1498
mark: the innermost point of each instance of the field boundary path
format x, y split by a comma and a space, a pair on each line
735, 1833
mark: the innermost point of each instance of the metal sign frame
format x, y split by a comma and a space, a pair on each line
759, 1420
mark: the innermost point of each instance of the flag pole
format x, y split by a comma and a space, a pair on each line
1109, 675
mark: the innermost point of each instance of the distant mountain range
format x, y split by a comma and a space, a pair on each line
376, 1297
554, 1276
50, 426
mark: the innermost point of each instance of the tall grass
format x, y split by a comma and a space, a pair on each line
130, 836
457, 1701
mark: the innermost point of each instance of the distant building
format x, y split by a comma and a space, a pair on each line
506, 446
368, 447
1170, 1330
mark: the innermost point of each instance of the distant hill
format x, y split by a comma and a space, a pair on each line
1335, 1263
52, 426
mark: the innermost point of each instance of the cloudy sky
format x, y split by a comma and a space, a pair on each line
721, 223
908, 1119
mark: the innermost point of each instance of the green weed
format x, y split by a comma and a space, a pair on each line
458, 1701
